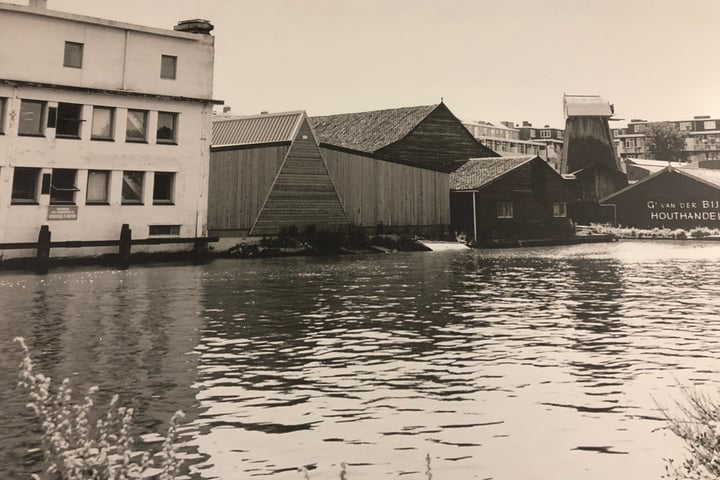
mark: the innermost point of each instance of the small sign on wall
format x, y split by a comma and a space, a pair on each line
62, 212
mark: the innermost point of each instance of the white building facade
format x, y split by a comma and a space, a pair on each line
102, 124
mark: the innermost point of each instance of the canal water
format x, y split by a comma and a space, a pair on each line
506, 364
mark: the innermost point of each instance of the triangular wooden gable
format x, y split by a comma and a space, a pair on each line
303, 193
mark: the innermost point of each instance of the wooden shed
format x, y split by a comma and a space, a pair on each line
266, 174
510, 198
670, 198
589, 154
391, 167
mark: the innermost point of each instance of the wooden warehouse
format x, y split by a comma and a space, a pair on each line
510, 198
670, 198
589, 154
266, 174
391, 167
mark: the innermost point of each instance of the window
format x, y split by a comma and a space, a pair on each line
163, 188
167, 127
136, 126
69, 118
73, 55
504, 210
31, 117
639, 128
709, 125
168, 67
685, 126
132, 188
2, 115
164, 230
97, 187
559, 209
103, 122
629, 143
62, 186
25, 185
545, 133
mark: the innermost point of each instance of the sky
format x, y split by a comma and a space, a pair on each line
487, 60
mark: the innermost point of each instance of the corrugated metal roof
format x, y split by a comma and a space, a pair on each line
256, 129
478, 172
586, 106
369, 131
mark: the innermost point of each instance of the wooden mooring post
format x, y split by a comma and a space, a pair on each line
124, 250
42, 259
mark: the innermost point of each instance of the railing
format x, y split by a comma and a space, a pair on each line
124, 244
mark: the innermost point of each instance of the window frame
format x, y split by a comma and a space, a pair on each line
157, 230
65, 120
168, 199
165, 141
70, 188
144, 138
111, 136
559, 209
505, 210
133, 201
68, 54
35, 182
41, 123
106, 200
164, 74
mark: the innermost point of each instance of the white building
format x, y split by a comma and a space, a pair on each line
102, 124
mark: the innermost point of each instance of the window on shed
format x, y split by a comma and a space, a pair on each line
31, 117
25, 185
69, 118
62, 186
132, 188
73, 55
164, 230
559, 209
168, 67
504, 210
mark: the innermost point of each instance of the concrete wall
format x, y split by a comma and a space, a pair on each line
116, 56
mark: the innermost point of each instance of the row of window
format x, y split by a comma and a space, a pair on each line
505, 210
67, 119
73, 58
61, 185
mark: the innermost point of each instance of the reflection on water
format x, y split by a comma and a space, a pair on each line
536, 363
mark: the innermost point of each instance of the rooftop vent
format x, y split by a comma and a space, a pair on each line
197, 25
526, 124
38, 3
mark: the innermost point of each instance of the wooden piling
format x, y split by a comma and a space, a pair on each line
124, 250
43, 251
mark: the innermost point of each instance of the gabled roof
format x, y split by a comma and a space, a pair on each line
478, 172
586, 106
255, 129
369, 131
707, 176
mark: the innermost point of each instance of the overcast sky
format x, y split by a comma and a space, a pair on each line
488, 60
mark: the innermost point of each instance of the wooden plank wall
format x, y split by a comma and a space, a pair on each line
239, 183
375, 191
440, 142
303, 193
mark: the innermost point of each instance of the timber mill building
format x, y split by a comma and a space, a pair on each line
385, 169
102, 124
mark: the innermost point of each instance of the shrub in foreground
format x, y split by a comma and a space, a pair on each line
80, 443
